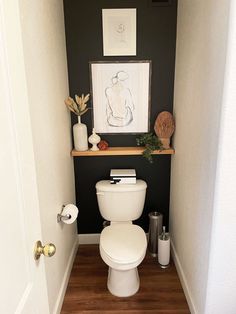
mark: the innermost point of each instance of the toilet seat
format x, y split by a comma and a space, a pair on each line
123, 244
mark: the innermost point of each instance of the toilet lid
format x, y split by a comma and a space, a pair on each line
124, 243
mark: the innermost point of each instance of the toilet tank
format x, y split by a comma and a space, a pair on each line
121, 202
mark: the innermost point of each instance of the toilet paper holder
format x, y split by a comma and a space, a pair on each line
61, 217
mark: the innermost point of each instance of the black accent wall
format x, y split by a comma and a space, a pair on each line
156, 37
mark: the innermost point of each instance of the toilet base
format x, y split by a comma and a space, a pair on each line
123, 283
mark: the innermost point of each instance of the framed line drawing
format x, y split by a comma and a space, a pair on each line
121, 96
119, 32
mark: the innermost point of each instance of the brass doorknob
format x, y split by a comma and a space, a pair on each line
47, 250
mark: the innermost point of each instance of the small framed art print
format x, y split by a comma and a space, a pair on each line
119, 32
121, 96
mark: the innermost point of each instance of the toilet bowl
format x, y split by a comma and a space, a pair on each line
122, 248
122, 244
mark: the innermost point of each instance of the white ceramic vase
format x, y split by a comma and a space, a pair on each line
80, 136
94, 139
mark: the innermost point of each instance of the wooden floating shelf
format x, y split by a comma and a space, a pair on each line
121, 151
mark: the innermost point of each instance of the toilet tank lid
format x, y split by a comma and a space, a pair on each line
106, 186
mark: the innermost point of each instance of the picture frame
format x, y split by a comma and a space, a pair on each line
119, 32
121, 96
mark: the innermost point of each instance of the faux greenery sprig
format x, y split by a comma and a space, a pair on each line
151, 142
79, 106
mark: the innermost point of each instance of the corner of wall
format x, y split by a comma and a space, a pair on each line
183, 279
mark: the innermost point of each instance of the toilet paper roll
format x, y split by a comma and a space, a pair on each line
71, 210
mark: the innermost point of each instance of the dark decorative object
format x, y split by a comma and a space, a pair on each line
103, 145
151, 142
164, 128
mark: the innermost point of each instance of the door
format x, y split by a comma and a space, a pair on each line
23, 282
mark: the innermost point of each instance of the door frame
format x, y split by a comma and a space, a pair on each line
14, 96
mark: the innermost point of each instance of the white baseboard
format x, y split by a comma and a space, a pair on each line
61, 294
89, 238
183, 279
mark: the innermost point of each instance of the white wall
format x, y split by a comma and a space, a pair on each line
46, 68
202, 30
221, 288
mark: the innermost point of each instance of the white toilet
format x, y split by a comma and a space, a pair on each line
122, 244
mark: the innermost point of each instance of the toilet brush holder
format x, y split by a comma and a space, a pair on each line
164, 250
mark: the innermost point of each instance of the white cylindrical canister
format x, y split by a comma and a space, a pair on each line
164, 250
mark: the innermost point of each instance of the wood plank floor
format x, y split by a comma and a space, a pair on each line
160, 289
